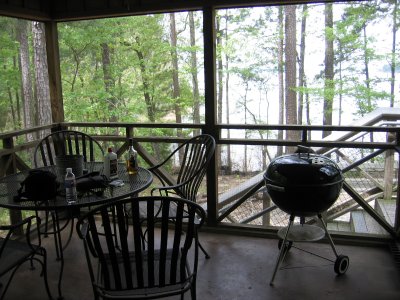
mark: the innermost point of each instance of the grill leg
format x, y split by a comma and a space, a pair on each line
282, 251
328, 235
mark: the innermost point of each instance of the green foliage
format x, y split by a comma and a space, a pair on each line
140, 70
136, 84
10, 79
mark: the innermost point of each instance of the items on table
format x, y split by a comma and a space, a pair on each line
131, 159
110, 165
70, 186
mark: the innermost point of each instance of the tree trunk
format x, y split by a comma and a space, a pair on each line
393, 58
4, 116
17, 65
220, 85
290, 72
340, 84
301, 63
76, 68
280, 78
367, 78
41, 76
245, 167
193, 64
109, 81
329, 83
366, 66
219, 69
176, 92
228, 147
27, 89
13, 113
150, 106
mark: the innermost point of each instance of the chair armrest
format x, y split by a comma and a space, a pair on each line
163, 162
12, 227
175, 188
83, 230
153, 170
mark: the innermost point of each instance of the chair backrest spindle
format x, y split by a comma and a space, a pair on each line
197, 154
154, 250
66, 142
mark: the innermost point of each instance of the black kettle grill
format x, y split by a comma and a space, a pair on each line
304, 185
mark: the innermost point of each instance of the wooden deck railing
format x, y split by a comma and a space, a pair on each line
13, 154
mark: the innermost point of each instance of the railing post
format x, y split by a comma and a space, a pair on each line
397, 213
389, 169
266, 201
9, 163
53, 63
210, 116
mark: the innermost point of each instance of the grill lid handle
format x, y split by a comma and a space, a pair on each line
275, 187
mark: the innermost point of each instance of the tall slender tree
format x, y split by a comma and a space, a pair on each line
220, 78
176, 89
281, 90
194, 70
41, 76
301, 63
227, 105
329, 84
395, 27
26, 75
290, 71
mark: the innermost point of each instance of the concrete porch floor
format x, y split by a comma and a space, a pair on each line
241, 268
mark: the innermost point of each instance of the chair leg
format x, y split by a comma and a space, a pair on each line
114, 218
8, 282
193, 289
31, 262
46, 223
70, 233
44, 273
204, 251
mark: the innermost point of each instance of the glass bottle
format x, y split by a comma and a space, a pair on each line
131, 159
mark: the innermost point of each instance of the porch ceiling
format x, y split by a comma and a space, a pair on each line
67, 10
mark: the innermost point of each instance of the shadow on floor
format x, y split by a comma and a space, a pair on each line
241, 268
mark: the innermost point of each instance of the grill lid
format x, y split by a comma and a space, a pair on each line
303, 169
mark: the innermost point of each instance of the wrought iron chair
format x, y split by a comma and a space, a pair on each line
168, 265
13, 253
66, 142
194, 158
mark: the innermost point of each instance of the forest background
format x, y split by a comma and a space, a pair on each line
308, 64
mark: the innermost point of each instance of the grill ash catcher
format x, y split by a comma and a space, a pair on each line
304, 184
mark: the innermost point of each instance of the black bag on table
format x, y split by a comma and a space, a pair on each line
38, 185
91, 181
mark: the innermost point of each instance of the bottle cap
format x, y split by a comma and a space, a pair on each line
69, 170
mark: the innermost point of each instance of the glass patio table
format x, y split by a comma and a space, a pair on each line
132, 185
